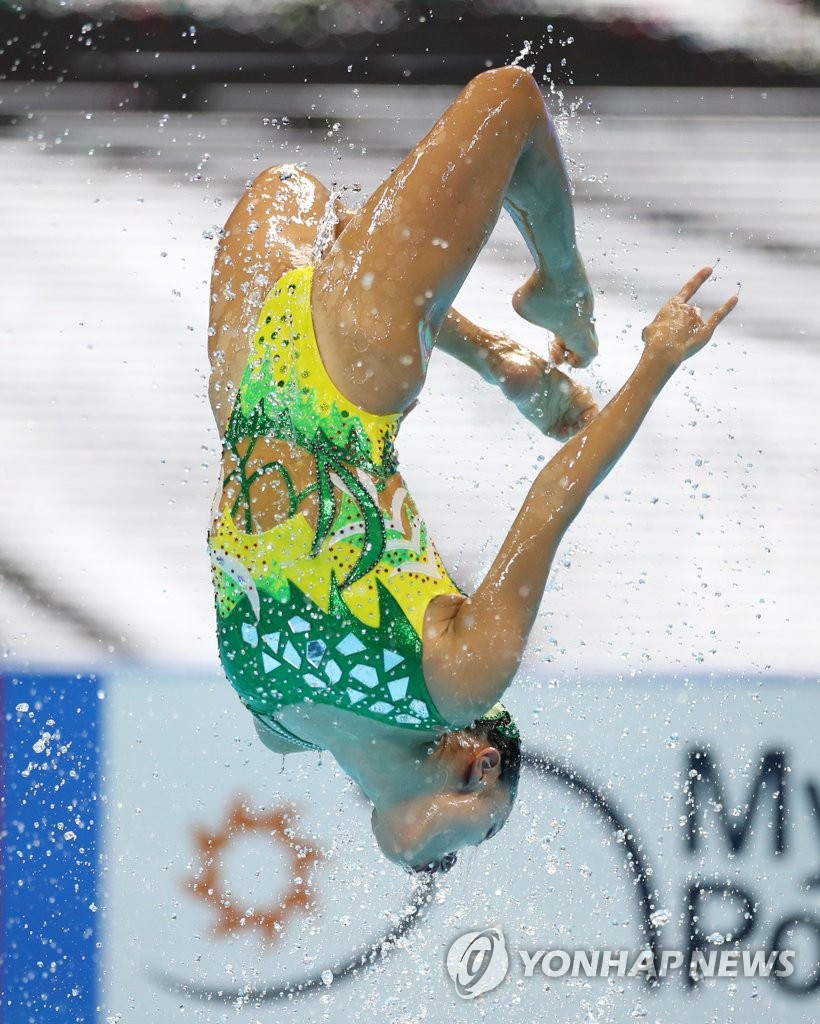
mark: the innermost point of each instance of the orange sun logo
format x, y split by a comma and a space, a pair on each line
208, 885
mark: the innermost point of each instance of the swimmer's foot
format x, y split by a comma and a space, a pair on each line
566, 311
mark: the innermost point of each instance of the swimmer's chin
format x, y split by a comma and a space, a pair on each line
395, 842
387, 843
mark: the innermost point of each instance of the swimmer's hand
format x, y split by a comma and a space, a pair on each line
549, 399
679, 330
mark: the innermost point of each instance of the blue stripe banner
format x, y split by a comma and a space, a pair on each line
49, 833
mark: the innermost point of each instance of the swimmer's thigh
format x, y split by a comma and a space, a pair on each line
393, 272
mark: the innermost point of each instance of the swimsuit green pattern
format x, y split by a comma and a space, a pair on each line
328, 614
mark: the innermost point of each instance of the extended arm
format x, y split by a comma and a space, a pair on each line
477, 642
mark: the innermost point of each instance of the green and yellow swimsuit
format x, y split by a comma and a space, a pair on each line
331, 614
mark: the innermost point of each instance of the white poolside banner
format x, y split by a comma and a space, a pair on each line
659, 814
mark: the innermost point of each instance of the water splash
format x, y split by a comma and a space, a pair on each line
525, 51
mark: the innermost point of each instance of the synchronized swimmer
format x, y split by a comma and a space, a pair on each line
338, 625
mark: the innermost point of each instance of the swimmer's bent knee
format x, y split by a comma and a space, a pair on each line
509, 80
289, 176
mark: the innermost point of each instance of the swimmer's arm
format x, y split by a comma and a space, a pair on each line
518, 576
473, 645
485, 352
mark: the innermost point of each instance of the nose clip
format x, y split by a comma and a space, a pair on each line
443, 865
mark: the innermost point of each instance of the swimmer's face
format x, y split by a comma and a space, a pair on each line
425, 832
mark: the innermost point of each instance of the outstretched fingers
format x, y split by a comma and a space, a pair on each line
679, 330
720, 314
707, 328
694, 283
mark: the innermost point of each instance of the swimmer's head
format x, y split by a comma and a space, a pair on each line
472, 793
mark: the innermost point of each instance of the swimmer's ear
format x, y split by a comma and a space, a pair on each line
485, 767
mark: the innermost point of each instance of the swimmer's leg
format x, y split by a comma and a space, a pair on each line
384, 289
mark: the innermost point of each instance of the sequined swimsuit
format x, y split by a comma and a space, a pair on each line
330, 614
